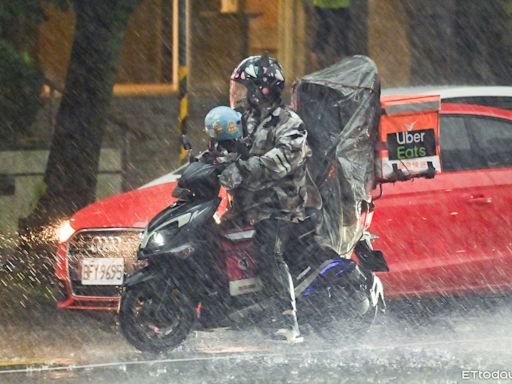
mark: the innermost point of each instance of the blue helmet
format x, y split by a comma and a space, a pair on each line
223, 123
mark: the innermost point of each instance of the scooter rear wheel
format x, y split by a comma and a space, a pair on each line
153, 323
348, 316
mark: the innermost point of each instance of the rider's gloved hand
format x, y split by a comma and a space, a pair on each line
242, 149
251, 167
235, 173
231, 177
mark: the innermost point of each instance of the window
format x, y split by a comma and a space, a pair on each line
503, 102
147, 48
474, 142
494, 140
148, 61
455, 146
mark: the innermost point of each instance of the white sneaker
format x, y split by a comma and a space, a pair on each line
290, 336
289, 330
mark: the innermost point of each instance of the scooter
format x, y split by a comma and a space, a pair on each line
198, 275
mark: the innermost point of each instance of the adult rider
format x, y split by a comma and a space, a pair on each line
269, 185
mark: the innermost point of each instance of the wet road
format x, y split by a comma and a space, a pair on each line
427, 344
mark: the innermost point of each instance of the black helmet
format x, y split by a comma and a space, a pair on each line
256, 80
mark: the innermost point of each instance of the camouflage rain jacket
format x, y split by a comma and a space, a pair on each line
274, 177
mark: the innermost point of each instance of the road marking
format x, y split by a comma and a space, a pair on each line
35, 361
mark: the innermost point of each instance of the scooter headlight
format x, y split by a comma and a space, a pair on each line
157, 239
150, 243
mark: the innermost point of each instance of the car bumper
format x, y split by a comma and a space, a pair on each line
89, 303
73, 295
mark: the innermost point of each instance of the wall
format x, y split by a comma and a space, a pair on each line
147, 50
27, 168
388, 43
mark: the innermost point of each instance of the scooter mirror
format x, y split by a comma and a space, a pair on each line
185, 142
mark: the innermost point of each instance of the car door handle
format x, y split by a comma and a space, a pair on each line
479, 200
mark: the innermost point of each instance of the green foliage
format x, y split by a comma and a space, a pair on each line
20, 12
21, 82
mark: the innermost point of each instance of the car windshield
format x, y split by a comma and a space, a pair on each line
167, 178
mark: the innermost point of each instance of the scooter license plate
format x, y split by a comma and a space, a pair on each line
102, 271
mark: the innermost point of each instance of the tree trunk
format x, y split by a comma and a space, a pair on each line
72, 167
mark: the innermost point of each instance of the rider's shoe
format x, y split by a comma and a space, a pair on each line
289, 336
289, 329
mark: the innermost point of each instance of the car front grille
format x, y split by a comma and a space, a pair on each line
112, 243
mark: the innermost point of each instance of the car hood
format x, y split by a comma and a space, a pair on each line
132, 209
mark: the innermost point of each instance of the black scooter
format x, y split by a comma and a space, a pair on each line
197, 274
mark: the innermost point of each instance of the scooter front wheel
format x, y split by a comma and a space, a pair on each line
152, 322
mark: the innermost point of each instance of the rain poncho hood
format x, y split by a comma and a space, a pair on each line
340, 107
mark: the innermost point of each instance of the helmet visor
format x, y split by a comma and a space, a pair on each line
237, 95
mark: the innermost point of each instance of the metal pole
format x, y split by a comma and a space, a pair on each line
182, 76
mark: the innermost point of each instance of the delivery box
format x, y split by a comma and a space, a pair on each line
408, 144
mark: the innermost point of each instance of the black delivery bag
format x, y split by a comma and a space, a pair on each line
340, 107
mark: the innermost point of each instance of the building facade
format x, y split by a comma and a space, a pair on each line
412, 42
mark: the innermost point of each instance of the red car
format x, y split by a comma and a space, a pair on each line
447, 234
453, 233
108, 229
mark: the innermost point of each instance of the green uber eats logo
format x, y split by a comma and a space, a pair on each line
411, 145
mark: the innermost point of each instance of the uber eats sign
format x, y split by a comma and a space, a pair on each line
409, 137
411, 144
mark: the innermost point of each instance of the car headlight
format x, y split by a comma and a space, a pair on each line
65, 231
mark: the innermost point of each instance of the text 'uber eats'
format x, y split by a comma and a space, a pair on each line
404, 152
410, 145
